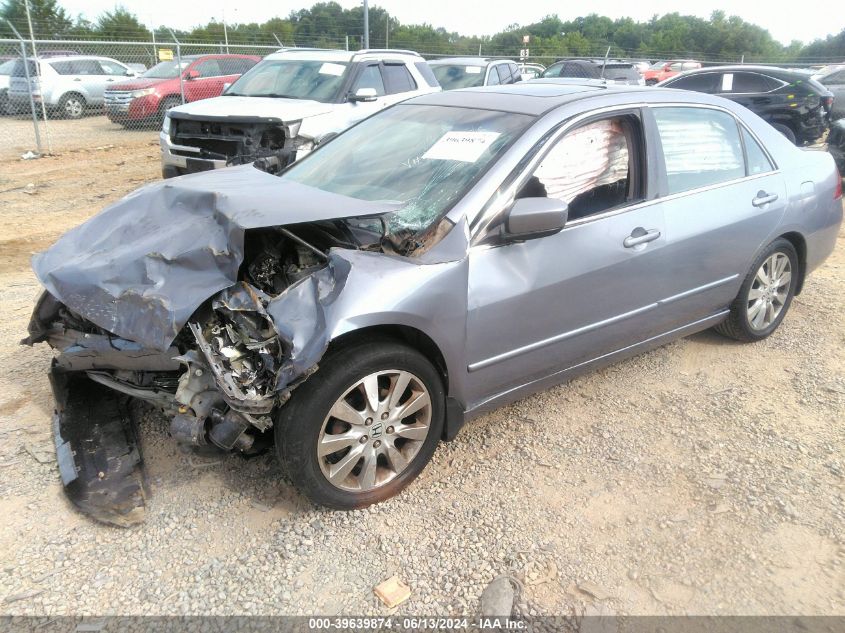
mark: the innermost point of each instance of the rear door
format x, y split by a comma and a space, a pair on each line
753, 90
90, 75
234, 67
723, 196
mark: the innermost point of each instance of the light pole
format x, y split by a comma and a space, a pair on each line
366, 25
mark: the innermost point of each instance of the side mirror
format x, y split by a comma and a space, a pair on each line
364, 94
192, 74
530, 218
130, 73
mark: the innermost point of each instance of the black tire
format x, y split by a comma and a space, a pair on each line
167, 103
72, 106
786, 131
737, 326
299, 422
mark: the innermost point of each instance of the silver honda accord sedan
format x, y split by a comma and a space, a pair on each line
444, 257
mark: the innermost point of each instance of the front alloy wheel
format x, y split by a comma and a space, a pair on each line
363, 426
374, 430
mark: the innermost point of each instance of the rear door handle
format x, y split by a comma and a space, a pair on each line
763, 198
640, 236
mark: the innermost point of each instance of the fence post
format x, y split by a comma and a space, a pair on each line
179, 64
28, 87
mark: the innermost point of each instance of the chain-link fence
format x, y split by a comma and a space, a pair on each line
74, 94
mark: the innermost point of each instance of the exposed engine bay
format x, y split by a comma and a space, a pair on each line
219, 382
272, 141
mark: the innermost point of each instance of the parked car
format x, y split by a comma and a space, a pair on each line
641, 65
5, 71
467, 72
446, 256
664, 70
833, 79
149, 96
68, 86
795, 104
286, 105
615, 71
531, 71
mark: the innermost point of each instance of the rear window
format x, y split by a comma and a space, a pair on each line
621, 72
19, 70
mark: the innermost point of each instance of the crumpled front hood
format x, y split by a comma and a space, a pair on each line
253, 107
141, 267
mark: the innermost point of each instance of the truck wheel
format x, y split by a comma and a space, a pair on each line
168, 103
363, 426
786, 131
72, 106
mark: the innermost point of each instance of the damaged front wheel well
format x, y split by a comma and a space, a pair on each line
415, 338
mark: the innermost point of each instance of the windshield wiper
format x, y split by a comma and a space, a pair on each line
274, 95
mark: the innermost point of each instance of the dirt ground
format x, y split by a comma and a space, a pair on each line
706, 477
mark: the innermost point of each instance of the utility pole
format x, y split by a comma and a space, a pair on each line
37, 74
225, 30
366, 25
386, 30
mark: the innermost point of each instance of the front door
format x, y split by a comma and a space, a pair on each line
544, 305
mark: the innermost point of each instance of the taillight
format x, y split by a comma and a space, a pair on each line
837, 194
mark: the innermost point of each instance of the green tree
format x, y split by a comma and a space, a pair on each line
120, 24
49, 20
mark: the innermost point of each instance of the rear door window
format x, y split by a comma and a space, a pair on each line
743, 83
63, 68
705, 82
397, 78
208, 68
701, 147
370, 77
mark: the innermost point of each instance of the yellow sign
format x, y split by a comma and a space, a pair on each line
165, 55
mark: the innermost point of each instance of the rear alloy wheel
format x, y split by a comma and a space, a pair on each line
72, 106
765, 294
364, 426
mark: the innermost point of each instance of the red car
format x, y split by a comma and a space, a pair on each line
663, 70
146, 98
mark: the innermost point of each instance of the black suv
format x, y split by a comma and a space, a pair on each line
615, 70
791, 101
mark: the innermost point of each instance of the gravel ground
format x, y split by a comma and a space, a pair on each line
59, 135
703, 478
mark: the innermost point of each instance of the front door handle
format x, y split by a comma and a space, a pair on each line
78, 79
763, 198
640, 236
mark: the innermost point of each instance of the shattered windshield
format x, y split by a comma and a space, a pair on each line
421, 157
292, 79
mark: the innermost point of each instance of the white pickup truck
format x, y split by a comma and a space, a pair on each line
286, 105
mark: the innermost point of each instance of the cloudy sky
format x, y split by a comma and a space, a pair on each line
816, 18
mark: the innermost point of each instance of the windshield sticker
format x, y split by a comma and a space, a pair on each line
463, 146
473, 70
332, 69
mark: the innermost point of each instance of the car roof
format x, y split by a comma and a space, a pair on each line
531, 97
774, 71
466, 61
333, 55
